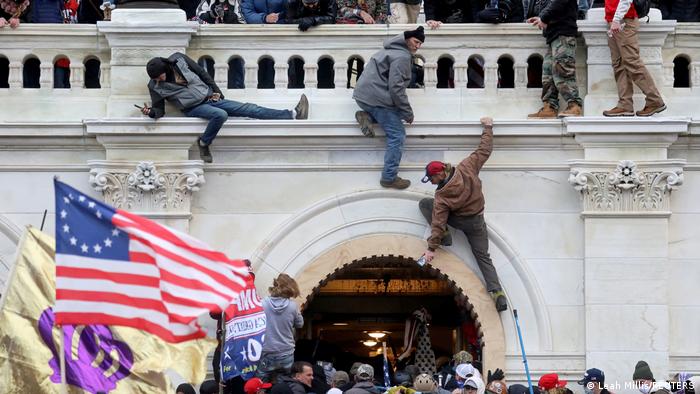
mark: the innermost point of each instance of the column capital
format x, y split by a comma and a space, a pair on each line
626, 188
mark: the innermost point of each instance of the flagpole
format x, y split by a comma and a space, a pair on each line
62, 361
223, 349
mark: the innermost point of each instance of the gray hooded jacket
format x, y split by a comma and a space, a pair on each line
282, 316
385, 78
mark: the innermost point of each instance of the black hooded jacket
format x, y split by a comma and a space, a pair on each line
560, 17
324, 14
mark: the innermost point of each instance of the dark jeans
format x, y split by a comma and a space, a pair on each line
474, 228
218, 111
390, 120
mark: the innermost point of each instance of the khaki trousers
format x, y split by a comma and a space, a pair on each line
629, 68
404, 13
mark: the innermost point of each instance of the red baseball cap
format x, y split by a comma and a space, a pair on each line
255, 384
433, 168
550, 381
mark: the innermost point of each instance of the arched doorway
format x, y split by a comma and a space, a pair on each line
374, 296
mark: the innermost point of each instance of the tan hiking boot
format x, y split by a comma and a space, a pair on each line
617, 111
651, 110
397, 183
546, 112
572, 109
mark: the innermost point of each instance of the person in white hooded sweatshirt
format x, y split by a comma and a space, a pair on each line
282, 317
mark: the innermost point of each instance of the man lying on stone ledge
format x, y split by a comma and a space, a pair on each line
185, 84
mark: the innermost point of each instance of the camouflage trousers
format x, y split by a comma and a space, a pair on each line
559, 72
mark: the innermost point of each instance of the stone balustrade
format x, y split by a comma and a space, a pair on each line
469, 70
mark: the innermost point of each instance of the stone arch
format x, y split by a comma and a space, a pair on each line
333, 232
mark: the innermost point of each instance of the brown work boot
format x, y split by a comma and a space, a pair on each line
651, 109
397, 183
572, 109
617, 111
546, 112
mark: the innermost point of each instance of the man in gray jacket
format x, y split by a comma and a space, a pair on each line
185, 84
381, 93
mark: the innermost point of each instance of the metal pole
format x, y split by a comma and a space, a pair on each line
62, 361
43, 220
522, 351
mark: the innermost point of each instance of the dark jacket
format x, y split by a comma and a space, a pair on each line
512, 9
452, 11
680, 10
461, 195
288, 385
46, 11
363, 388
324, 14
560, 17
386, 76
255, 11
200, 86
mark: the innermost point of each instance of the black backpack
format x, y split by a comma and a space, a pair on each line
642, 7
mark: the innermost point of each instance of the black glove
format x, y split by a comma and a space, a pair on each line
496, 375
306, 23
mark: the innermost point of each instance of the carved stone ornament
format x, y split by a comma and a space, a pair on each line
627, 188
147, 188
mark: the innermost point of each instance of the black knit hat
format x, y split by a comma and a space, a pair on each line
157, 66
418, 33
642, 371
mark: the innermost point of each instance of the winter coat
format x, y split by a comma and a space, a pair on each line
282, 316
286, 385
680, 10
255, 11
199, 86
220, 11
560, 17
461, 194
363, 388
325, 14
348, 10
452, 11
46, 11
385, 78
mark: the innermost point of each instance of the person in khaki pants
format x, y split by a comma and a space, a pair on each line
623, 41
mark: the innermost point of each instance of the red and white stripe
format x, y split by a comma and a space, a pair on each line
169, 281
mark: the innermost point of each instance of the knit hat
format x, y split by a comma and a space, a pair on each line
156, 66
424, 383
642, 371
418, 33
434, 168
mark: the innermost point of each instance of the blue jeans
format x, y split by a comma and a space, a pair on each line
272, 362
218, 111
584, 5
390, 120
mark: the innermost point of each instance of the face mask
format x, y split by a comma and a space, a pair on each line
586, 390
644, 388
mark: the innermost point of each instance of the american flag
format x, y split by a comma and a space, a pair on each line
117, 268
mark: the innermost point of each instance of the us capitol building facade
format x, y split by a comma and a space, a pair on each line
593, 221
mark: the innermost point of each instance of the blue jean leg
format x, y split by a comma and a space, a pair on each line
270, 363
218, 111
390, 120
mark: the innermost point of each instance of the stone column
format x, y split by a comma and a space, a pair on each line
147, 168
602, 91
626, 182
135, 36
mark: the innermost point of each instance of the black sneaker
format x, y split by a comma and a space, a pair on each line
302, 108
204, 153
365, 122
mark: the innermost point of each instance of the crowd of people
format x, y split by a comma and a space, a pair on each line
459, 375
309, 13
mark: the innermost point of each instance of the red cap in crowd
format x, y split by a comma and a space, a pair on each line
255, 384
550, 381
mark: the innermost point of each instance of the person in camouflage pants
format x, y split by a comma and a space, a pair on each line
559, 72
557, 19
